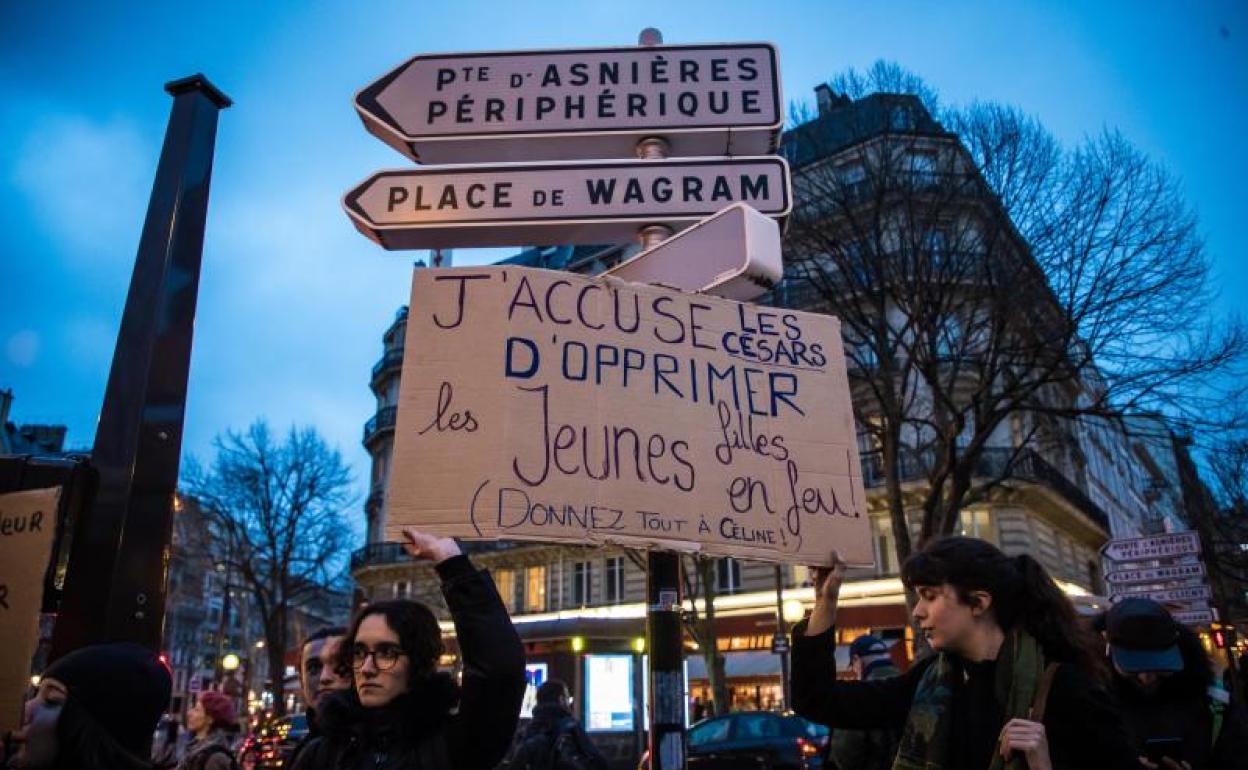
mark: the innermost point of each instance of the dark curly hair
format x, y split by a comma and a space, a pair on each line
420, 636
1022, 594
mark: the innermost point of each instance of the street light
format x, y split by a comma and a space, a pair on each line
230, 662
793, 610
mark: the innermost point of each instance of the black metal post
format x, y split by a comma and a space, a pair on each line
665, 642
115, 586
781, 641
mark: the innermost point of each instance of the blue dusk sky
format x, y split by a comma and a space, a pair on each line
293, 301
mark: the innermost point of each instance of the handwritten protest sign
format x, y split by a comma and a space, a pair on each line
27, 526
540, 405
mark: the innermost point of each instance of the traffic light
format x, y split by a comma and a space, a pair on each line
1219, 638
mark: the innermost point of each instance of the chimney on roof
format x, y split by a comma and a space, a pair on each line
825, 98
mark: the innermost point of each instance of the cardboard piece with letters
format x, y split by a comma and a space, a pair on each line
27, 528
546, 406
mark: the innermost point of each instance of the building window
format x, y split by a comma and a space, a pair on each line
402, 589
615, 580
535, 589
582, 582
505, 579
885, 551
727, 575
977, 523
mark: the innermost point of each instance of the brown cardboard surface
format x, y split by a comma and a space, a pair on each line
27, 525
542, 405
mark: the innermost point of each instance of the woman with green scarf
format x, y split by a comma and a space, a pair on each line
1014, 681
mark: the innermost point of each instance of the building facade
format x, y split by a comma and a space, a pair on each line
581, 611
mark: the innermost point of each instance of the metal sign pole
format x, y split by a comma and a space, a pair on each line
115, 586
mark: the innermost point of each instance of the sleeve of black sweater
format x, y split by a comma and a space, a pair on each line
493, 661
820, 697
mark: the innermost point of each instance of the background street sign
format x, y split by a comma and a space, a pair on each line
1194, 617
1156, 574
1183, 594
1155, 547
588, 202
579, 103
734, 254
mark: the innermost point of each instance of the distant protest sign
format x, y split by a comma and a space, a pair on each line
541, 405
27, 526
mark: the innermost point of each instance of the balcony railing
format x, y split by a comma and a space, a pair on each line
377, 554
1028, 466
380, 423
392, 359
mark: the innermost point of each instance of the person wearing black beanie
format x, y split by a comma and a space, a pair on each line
95, 708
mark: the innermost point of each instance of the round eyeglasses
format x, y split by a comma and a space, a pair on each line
384, 656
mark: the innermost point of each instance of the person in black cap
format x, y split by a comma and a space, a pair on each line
866, 749
95, 708
1164, 683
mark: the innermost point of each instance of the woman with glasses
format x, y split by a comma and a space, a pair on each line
402, 712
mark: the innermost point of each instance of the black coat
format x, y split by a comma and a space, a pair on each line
552, 720
424, 728
1181, 708
1081, 721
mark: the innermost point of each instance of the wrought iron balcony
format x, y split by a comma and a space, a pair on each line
389, 362
377, 554
1029, 466
380, 423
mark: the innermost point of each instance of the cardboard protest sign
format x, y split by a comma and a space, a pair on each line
541, 405
27, 527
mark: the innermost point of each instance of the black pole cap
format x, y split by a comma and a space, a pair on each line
198, 82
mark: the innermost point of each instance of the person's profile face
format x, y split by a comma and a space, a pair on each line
36, 740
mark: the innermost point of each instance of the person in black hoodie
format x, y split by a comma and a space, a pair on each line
402, 712
554, 739
1012, 681
1164, 684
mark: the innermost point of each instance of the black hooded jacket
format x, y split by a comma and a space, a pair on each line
552, 720
1181, 707
423, 728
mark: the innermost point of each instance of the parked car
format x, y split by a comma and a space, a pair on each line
270, 745
757, 740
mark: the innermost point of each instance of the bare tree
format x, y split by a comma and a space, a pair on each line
994, 289
699, 573
275, 513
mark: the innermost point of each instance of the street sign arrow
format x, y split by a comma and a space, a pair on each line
1156, 574
585, 202
734, 254
578, 103
1154, 547
1185, 594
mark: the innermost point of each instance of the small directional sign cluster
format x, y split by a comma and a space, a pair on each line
1164, 568
518, 128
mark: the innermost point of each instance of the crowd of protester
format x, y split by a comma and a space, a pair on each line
1012, 678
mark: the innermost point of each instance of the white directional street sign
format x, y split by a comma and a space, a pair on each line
734, 254
586, 202
1194, 617
1154, 547
578, 103
1184, 594
1156, 574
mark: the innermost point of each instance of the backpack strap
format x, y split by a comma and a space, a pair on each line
1036, 714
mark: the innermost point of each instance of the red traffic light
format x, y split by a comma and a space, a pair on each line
1219, 639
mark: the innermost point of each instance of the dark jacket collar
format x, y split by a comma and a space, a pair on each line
422, 711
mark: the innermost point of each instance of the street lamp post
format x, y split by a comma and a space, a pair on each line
787, 612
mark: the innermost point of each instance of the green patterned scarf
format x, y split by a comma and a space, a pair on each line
925, 739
